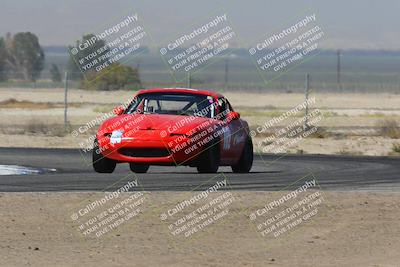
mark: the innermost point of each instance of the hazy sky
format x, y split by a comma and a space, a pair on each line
347, 23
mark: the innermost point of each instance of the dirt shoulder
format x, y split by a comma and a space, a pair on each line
351, 229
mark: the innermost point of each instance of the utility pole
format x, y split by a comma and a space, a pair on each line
307, 88
226, 73
138, 66
189, 79
338, 69
66, 101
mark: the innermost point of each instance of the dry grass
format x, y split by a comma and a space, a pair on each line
319, 133
346, 152
39, 127
389, 128
103, 108
13, 103
396, 147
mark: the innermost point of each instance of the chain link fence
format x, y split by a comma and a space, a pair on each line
357, 73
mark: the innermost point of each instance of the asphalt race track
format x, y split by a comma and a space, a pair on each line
270, 172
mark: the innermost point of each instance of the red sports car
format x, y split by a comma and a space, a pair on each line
174, 126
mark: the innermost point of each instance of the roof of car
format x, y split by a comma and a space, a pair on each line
181, 90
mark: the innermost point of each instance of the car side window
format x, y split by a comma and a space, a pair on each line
224, 108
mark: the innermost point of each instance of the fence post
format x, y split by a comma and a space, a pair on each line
307, 88
66, 101
338, 70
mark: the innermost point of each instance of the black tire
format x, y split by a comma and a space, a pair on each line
138, 168
246, 158
208, 161
100, 163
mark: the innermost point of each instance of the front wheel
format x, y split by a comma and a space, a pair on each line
100, 163
138, 168
208, 161
246, 158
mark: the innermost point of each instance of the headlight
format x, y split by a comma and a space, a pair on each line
116, 137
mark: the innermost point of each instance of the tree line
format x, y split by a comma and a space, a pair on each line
22, 58
113, 77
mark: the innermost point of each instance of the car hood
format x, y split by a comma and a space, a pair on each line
177, 124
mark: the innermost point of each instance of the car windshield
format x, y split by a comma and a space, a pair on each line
173, 103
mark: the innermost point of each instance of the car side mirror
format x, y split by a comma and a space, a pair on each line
233, 115
118, 110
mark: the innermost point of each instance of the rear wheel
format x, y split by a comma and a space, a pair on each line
138, 168
100, 163
246, 158
208, 161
